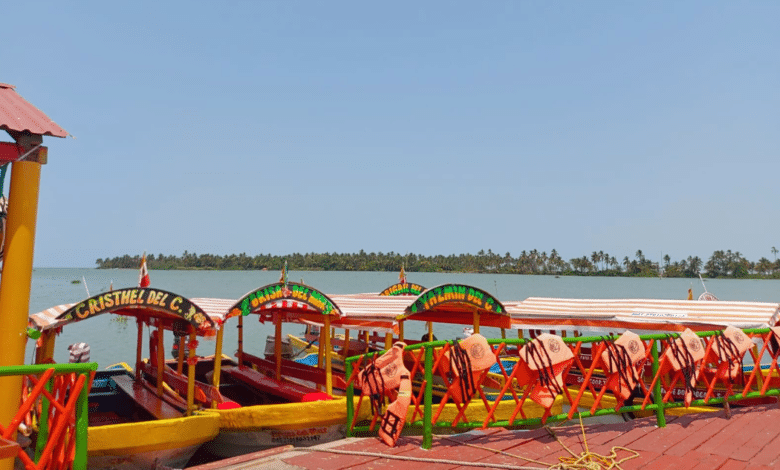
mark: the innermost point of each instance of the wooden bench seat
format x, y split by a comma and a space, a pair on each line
286, 390
146, 398
298, 371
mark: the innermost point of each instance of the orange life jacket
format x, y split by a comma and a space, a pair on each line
684, 355
464, 364
382, 376
394, 419
542, 363
621, 359
727, 350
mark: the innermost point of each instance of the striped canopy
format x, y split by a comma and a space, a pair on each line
601, 315
47, 319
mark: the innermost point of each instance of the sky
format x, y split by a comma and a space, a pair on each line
413, 127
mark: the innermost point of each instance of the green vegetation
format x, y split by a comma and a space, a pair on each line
721, 264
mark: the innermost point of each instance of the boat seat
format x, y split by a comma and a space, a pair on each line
146, 398
290, 391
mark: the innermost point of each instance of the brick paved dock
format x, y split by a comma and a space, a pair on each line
748, 440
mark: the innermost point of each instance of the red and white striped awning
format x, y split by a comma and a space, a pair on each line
639, 314
216, 309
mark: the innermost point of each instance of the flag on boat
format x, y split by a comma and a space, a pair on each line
283, 277
143, 276
402, 276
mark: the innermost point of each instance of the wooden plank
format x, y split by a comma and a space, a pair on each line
145, 398
283, 389
298, 371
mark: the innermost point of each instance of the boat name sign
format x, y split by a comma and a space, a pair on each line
299, 292
136, 297
456, 293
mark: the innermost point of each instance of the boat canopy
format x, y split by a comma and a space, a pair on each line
654, 315
457, 303
404, 288
290, 301
136, 301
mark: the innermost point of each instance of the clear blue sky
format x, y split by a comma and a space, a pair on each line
414, 127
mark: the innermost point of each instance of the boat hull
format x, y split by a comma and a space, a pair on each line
150, 444
253, 428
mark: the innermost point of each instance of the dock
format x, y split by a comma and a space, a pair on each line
745, 440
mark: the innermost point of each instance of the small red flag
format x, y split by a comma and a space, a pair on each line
143, 276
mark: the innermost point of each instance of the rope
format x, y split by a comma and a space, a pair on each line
418, 459
586, 460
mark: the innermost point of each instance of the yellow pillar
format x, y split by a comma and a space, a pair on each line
278, 347
217, 362
191, 374
430, 331
328, 355
16, 282
476, 322
388, 340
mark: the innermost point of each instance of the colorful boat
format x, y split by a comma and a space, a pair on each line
274, 400
137, 421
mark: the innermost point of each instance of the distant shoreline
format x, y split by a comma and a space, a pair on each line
722, 264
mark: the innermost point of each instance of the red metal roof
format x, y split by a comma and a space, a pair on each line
17, 114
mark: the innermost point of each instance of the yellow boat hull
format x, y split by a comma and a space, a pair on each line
253, 428
147, 444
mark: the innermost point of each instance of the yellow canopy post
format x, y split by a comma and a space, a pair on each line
278, 346
191, 373
430, 331
476, 321
328, 355
217, 363
388, 340
16, 282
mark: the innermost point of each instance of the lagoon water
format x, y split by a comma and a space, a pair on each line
113, 341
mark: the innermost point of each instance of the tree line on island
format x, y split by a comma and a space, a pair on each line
723, 264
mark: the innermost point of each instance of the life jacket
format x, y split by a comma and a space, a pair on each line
380, 378
542, 363
683, 356
394, 419
622, 359
727, 350
463, 365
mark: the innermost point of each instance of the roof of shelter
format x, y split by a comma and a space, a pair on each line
19, 115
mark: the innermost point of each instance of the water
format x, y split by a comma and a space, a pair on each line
112, 341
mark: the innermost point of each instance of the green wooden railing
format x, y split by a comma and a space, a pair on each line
655, 344
81, 421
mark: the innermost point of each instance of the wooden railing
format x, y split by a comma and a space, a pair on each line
669, 375
62, 391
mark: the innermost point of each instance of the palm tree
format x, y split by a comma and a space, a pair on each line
774, 252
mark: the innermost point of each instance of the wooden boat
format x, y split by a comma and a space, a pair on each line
279, 401
133, 421
594, 317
